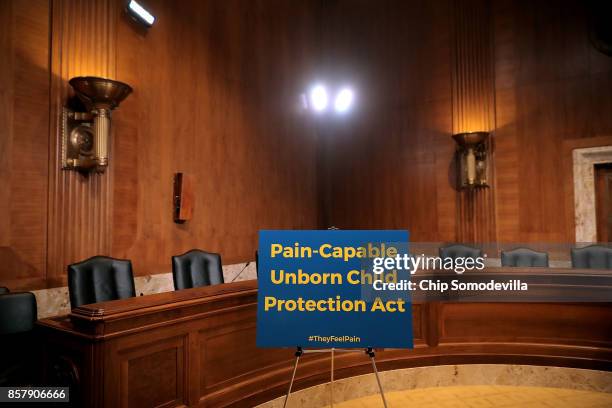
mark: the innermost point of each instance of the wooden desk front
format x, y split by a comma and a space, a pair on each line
196, 347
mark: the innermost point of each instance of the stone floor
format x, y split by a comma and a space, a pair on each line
485, 396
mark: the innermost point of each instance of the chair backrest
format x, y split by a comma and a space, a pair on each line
524, 257
592, 257
17, 312
99, 279
196, 268
459, 251
4, 290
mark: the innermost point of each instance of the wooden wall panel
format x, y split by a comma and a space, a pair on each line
565, 323
216, 87
216, 90
551, 85
24, 128
82, 44
472, 73
524, 70
474, 110
160, 359
391, 156
216, 94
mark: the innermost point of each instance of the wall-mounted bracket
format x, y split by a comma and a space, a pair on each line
77, 140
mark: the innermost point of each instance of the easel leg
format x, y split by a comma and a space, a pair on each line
370, 353
298, 354
331, 385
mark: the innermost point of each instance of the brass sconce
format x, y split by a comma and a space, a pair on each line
473, 150
86, 135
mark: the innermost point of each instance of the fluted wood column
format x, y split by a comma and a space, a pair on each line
473, 100
80, 206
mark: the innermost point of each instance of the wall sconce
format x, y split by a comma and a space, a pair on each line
473, 150
86, 135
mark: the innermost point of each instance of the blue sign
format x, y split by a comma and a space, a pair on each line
316, 290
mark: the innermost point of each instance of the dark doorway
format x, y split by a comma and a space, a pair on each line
603, 201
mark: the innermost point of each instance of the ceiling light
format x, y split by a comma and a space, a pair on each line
344, 100
140, 13
318, 98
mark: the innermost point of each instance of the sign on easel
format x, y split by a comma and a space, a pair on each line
326, 289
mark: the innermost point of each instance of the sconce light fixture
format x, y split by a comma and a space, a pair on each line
86, 135
473, 151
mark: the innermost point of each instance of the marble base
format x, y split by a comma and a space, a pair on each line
55, 301
449, 375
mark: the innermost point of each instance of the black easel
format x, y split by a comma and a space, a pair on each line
368, 351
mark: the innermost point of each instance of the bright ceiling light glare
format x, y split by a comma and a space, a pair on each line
344, 100
318, 98
140, 13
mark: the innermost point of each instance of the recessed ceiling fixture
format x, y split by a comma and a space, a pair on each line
344, 100
318, 99
140, 14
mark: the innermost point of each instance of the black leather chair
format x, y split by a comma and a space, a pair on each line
99, 279
3, 290
18, 355
592, 257
459, 251
196, 268
524, 257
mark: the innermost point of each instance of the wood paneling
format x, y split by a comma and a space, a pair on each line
82, 44
550, 85
141, 366
216, 88
197, 346
474, 110
216, 94
24, 129
391, 157
564, 323
220, 105
524, 70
